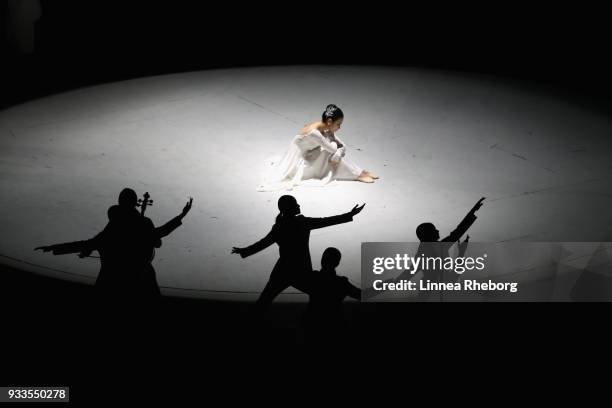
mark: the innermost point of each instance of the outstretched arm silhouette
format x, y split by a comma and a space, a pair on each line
86, 247
465, 224
83, 248
258, 246
314, 223
310, 223
174, 223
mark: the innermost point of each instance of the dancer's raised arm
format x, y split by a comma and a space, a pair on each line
174, 223
465, 224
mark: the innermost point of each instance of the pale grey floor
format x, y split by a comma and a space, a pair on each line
438, 140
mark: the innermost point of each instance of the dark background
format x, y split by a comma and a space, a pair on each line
78, 43
55, 339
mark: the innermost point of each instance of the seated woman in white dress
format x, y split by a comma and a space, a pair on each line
315, 157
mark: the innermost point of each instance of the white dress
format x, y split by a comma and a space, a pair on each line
308, 161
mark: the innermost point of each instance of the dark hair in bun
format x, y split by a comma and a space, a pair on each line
332, 112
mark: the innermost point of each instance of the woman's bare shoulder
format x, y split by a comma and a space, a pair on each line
309, 128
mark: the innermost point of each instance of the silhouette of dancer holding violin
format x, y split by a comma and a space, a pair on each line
126, 246
291, 233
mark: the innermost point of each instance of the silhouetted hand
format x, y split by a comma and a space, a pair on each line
477, 205
187, 207
356, 209
236, 250
44, 248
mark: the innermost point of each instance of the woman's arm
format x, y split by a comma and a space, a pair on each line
339, 141
322, 141
340, 152
335, 158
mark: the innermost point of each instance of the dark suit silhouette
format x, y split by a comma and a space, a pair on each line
431, 247
126, 247
324, 317
291, 233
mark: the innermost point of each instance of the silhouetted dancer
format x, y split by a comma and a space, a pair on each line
126, 247
432, 246
324, 318
291, 232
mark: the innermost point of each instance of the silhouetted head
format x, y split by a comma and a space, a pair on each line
288, 205
331, 258
128, 198
332, 117
427, 232
113, 212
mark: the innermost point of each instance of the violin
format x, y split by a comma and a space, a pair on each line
144, 202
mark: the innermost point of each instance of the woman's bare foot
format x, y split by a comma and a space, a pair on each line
368, 173
365, 178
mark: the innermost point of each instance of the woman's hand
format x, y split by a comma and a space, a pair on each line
336, 141
336, 157
334, 164
236, 250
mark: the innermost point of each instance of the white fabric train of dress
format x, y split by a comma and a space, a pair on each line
308, 162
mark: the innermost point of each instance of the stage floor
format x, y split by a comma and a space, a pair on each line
439, 141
